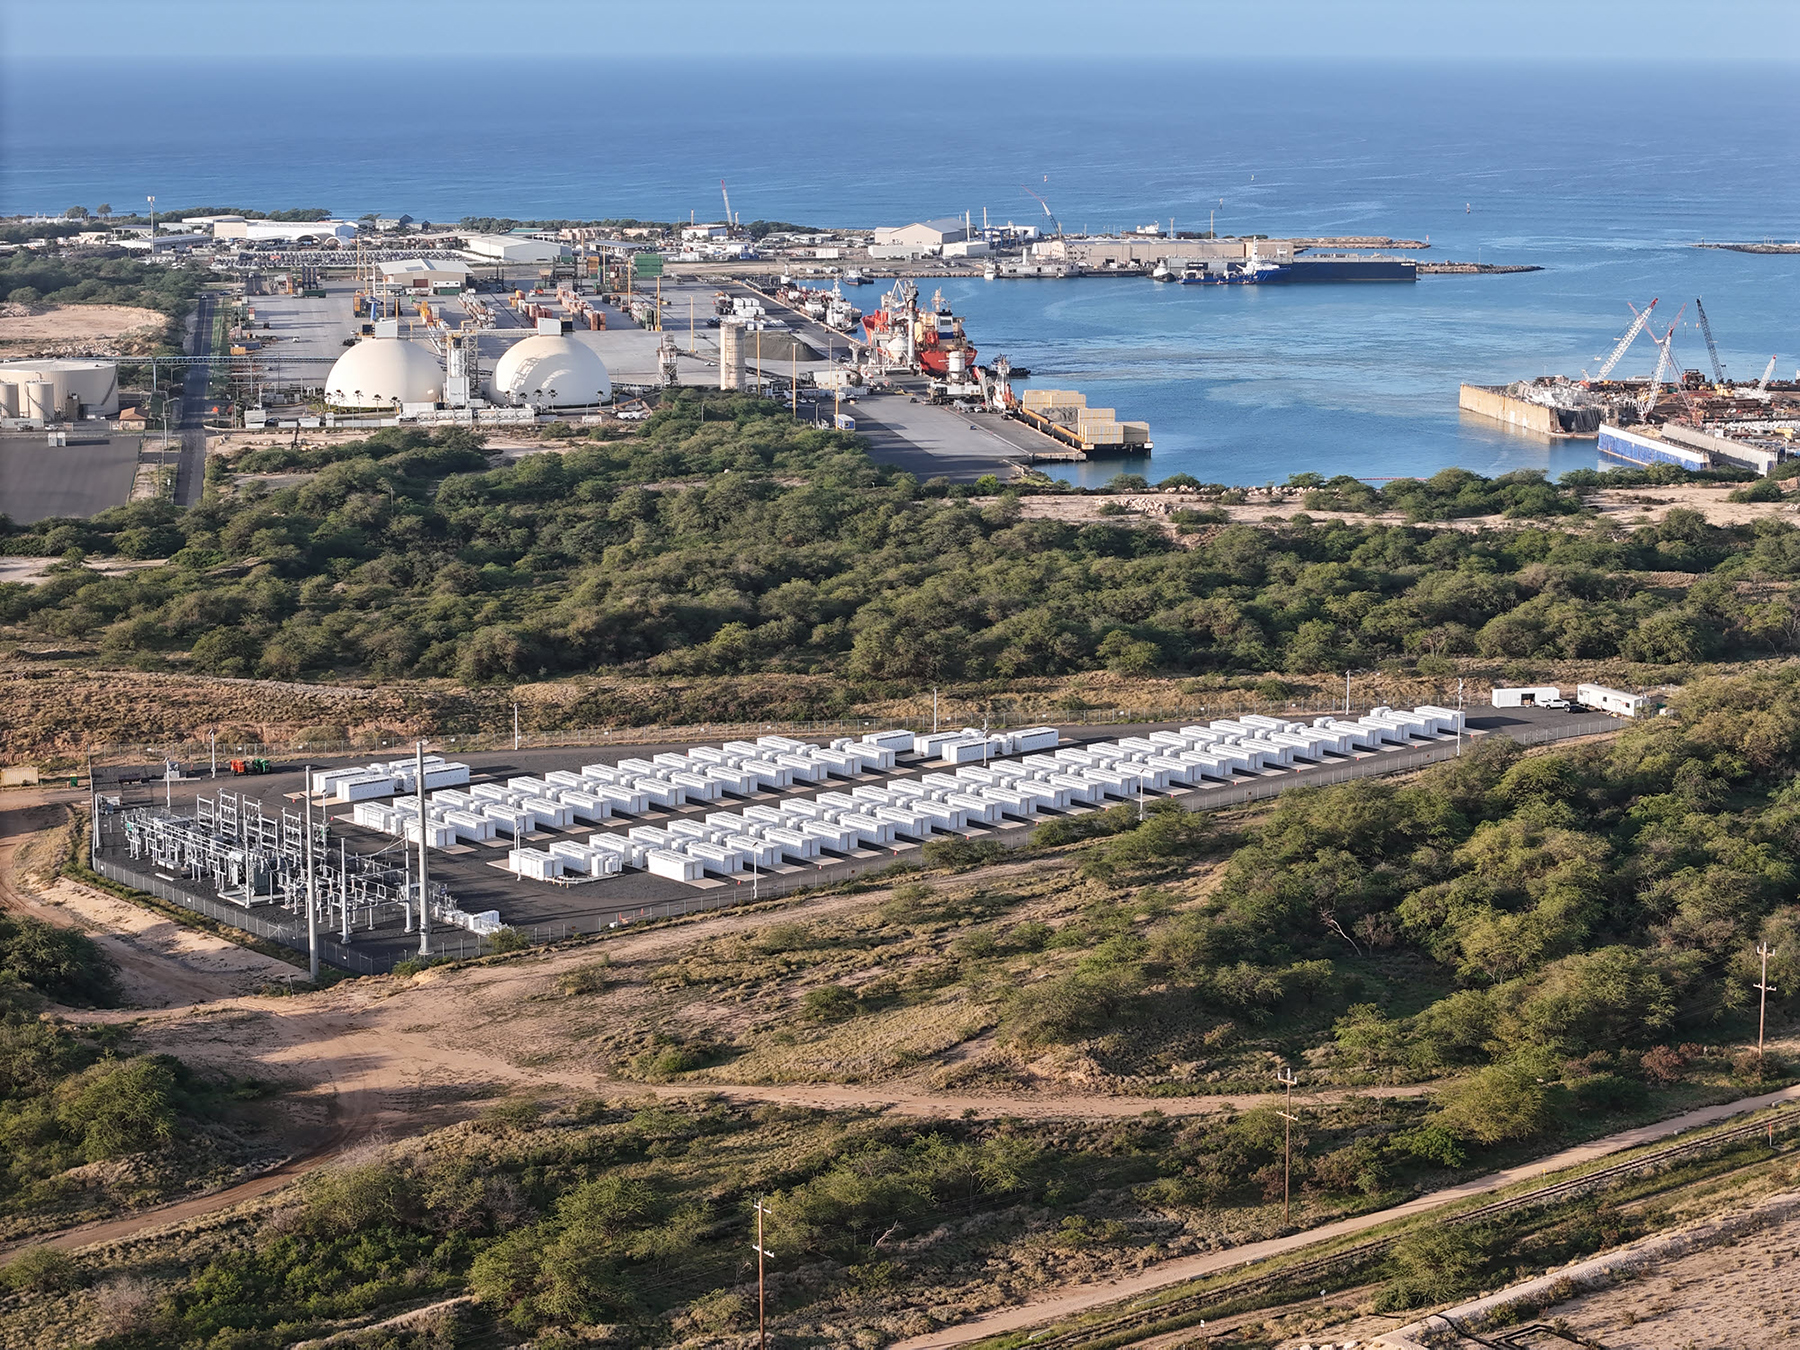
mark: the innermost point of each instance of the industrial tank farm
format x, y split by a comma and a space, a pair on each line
51, 390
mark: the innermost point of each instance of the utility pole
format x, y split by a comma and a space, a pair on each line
344, 886
934, 710
215, 752
1287, 1080
515, 730
762, 1321
1459, 718
1346, 691
312, 883
1764, 989
424, 870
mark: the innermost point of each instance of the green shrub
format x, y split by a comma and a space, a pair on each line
40, 1270
120, 1108
59, 963
832, 1003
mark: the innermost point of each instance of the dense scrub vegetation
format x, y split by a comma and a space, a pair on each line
27, 277
1571, 929
567, 1217
71, 1096
726, 538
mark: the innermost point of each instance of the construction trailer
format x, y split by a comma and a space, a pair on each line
1615, 701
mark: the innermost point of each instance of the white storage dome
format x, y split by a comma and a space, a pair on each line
380, 372
547, 371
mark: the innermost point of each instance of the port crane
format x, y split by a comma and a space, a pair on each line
1637, 326
1762, 385
1047, 211
730, 224
1665, 361
1712, 348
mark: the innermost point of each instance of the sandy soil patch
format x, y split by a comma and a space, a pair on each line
162, 962
71, 323
1624, 507
33, 570
1628, 505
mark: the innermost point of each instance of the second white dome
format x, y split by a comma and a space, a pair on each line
547, 371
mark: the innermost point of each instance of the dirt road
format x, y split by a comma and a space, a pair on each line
1056, 1305
161, 963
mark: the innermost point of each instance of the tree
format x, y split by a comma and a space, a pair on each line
1496, 1104
105, 208
76, 213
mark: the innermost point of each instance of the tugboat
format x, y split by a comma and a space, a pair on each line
1161, 271
853, 277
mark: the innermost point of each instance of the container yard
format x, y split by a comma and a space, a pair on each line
575, 840
1673, 416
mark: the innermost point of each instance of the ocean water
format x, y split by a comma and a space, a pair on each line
1605, 175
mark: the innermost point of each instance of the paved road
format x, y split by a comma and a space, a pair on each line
190, 474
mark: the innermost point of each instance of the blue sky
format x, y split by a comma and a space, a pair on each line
1604, 31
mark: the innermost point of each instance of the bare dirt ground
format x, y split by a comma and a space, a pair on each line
1624, 507
32, 327
1651, 504
32, 570
1734, 1294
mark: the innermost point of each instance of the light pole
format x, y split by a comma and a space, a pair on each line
152, 201
1287, 1080
312, 887
424, 870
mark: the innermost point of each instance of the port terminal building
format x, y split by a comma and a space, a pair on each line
1131, 251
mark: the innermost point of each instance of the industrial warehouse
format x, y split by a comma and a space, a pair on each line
564, 841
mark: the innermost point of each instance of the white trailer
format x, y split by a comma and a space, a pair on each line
1614, 701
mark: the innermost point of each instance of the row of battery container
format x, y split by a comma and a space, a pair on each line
558, 800
728, 843
367, 781
969, 745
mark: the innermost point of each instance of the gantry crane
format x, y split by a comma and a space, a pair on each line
1637, 326
1712, 348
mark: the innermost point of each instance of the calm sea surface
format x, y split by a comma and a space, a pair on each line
1603, 175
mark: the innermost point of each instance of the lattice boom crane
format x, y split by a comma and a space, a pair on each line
1712, 348
1618, 352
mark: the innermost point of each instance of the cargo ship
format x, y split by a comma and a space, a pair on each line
934, 341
